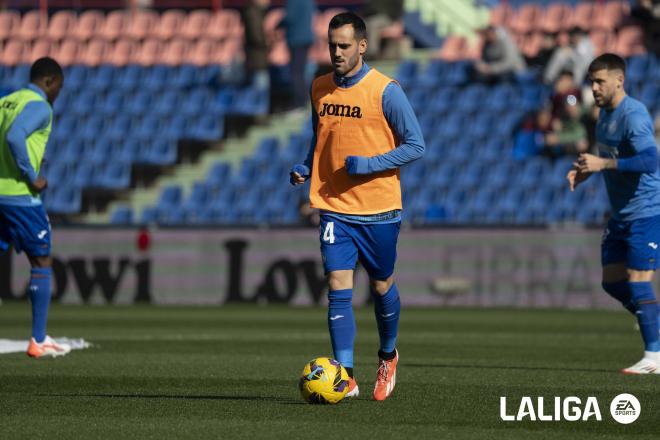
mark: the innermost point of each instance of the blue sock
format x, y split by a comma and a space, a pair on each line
341, 324
647, 314
39, 290
387, 308
621, 292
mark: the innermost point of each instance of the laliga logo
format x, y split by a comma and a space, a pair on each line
570, 409
625, 409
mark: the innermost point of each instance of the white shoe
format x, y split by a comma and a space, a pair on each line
47, 348
353, 390
645, 366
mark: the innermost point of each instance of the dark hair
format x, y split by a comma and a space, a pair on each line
44, 67
345, 18
608, 61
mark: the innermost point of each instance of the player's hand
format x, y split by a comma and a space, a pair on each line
299, 174
588, 163
40, 184
357, 165
576, 177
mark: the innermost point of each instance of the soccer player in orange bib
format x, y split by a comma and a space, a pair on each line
364, 130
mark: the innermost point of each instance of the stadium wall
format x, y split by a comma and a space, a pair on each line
452, 267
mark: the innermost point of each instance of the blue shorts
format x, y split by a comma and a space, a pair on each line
634, 243
344, 243
27, 228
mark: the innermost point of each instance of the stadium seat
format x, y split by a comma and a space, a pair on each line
526, 18
195, 24
169, 25
141, 25
10, 21
122, 215
33, 25
113, 27
61, 24
122, 52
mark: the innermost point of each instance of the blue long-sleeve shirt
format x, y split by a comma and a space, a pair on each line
626, 134
400, 116
34, 116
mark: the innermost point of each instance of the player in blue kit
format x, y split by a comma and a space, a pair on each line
628, 160
26, 118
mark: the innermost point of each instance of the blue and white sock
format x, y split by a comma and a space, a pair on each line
341, 323
647, 314
387, 309
39, 291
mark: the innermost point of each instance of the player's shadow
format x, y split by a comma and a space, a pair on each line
280, 400
510, 367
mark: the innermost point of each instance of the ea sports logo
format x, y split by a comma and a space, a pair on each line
625, 408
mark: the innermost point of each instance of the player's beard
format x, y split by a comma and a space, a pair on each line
348, 65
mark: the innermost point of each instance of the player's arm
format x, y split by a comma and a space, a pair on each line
301, 172
639, 132
401, 117
34, 116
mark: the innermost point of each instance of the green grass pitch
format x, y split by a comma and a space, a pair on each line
231, 372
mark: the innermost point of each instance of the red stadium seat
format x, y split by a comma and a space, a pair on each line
224, 24
61, 24
122, 52
114, 26
88, 24
501, 15
630, 41
453, 49
33, 25
610, 15
603, 41
556, 17
201, 52
14, 52
42, 47
95, 52
169, 25
227, 51
175, 51
141, 25
68, 52
526, 19
149, 52
10, 21
195, 24
583, 15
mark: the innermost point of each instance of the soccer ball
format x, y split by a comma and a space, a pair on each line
323, 380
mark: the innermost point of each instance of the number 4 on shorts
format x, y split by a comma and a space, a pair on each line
329, 233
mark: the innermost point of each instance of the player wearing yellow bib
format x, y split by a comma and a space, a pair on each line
26, 118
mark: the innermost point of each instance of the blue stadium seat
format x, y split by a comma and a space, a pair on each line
184, 77
167, 103
111, 104
122, 215
101, 78
149, 215
115, 175
139, 104
129, 78
219, 174
170, 197
206, 127
156, 78
159, 150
